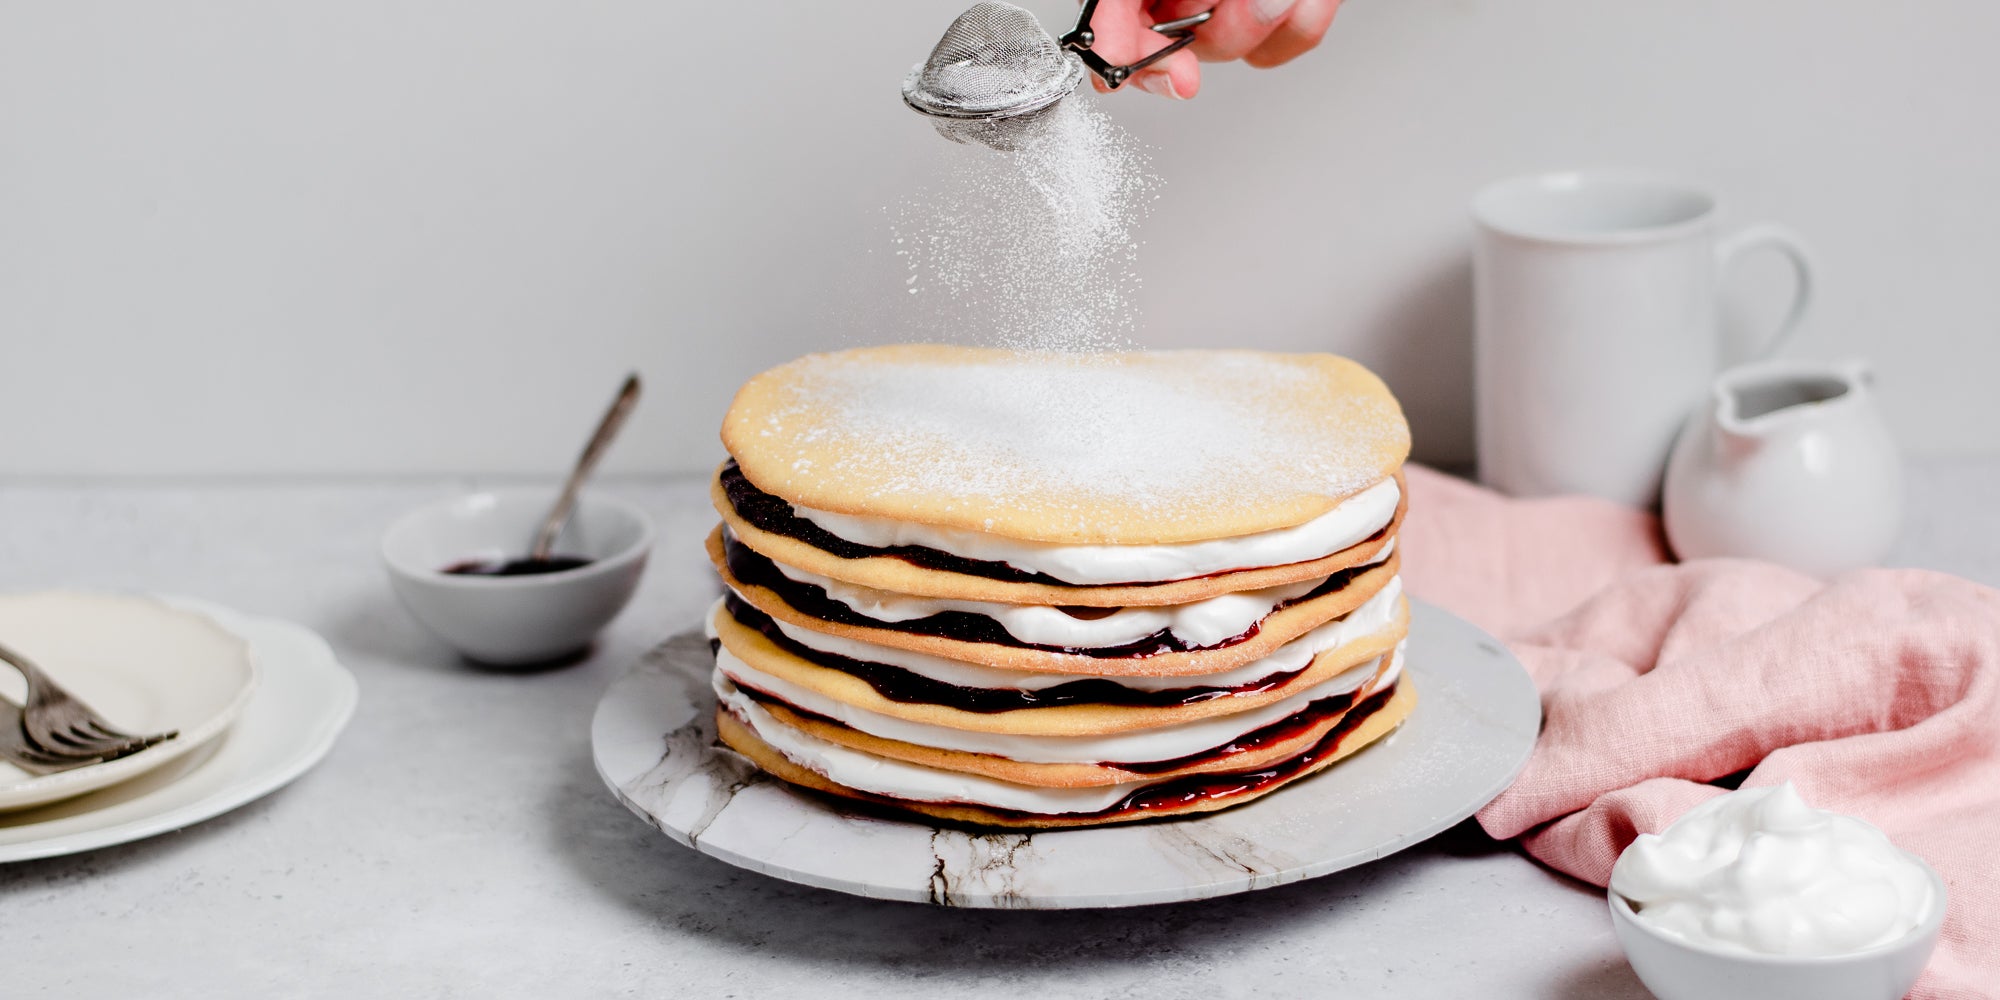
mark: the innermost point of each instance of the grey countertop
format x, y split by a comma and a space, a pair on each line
458, 842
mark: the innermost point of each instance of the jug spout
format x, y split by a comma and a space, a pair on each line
1794, 464
1735, 435
1755, 401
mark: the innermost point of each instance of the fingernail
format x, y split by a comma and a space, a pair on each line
1158, 83
1271, 11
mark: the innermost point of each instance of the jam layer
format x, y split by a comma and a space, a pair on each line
773, 514
754, 569
1196, 788
1290, 727
1312, 714
1181, 792
897, 684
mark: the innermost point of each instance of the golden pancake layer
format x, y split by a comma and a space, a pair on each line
1032, 590
1228, 792
1126, 449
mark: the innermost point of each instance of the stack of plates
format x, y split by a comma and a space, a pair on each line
256, 702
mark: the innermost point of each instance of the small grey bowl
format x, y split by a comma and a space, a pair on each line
516, 620
1677, 969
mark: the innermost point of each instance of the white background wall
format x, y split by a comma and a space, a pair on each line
372, 236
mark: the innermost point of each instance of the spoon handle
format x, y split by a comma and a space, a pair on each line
600, 441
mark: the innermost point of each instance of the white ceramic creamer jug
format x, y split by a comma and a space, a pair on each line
1789, 462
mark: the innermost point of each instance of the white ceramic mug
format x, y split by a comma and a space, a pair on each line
1597, 326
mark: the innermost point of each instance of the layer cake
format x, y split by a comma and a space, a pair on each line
1042, 590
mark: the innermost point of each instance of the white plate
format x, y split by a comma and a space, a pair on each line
1474, 726
146, 667
304, 699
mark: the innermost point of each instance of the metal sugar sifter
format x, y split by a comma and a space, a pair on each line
995, 73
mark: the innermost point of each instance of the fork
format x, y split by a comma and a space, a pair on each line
16, 750
59, 725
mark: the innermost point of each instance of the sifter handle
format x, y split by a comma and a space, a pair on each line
1081, 38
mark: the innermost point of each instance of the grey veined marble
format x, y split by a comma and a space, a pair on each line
1474, 725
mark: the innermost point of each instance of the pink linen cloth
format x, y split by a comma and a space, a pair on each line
1877, 693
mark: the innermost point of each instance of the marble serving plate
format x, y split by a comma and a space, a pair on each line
1475, 723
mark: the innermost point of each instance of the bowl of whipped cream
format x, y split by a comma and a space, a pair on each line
1756, 894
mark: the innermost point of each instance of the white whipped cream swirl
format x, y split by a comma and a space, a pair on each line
918, 783
1202, 623
1137, 746
1758, 870
1372, 616
1351, 522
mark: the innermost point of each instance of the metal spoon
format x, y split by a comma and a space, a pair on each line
600, 442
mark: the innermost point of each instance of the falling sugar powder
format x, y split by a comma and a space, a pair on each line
1034, 248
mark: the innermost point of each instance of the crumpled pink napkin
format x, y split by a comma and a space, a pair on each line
1876, 693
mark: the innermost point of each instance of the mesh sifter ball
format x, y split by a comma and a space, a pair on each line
991, 76
995, 73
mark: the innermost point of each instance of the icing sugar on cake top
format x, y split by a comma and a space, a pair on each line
1138, 448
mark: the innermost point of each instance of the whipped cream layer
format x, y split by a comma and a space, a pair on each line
1351, 522
1137, 746
903, 780
1372, 616
1197, 623
1759, 870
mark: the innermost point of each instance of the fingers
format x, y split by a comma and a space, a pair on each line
1236, 29
1178, 76
1297, 35
1124, 30
1263, 33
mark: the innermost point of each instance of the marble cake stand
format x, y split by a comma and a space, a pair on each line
1475, 723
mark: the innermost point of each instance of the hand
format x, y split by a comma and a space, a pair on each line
1263, 33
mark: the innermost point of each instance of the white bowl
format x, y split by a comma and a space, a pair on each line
516, 620
1675, 968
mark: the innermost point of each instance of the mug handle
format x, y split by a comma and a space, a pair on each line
1783, 240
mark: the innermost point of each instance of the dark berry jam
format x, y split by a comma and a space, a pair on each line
515, 567
775, 515
1196, 788
1203, 787
897, 684
753, 569
1289, 727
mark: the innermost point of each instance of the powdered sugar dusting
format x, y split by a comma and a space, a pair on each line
1032, 248
1080, 441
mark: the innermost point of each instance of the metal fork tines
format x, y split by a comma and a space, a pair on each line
56, 724
16, 750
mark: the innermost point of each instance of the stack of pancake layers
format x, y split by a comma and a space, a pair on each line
1039, 590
